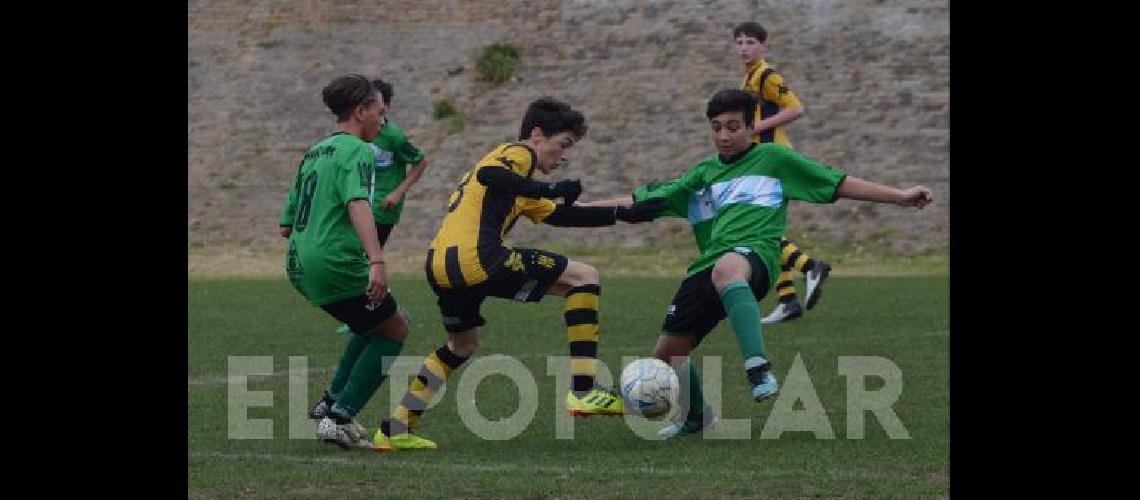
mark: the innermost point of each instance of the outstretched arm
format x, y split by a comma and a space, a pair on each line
859, 189
620, 201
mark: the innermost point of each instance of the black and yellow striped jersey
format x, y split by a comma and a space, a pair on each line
774, 95
469, 245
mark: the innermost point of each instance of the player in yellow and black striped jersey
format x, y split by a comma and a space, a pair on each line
468, 262
778, 106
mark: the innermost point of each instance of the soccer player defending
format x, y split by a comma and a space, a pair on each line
468, 262
737, 201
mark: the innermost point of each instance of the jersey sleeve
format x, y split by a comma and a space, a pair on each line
777, 90
804, 179
535, 209
357, 174
682, 187
676, 205
408, 152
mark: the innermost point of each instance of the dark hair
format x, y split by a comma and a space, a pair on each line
345, 93
751, 29
553, 117
729, 100
386, 91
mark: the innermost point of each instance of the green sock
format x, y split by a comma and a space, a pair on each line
367, 375
744, 314
696, 395
352, 351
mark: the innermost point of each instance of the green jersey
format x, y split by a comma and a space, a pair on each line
394, 152
745, 203
326, 261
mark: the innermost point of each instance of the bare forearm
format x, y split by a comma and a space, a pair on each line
413, 176
783, 117
365, 225
620, 201
859, 189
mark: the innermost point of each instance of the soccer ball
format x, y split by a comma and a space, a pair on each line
649, 387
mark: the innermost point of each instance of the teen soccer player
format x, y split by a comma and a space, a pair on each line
742, 194
394, 152
468, 262
334, 257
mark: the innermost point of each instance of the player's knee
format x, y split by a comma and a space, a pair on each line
464, 344
729, 268
578, 274
396, 328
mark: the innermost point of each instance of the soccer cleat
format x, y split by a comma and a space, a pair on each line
408, 441
344, 329
814, 281
682, 426
596, 402
348, 436
322, 408
766, 388
784, 311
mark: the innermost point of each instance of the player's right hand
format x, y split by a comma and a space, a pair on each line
286, 231
642, 211
917, 196
567, 190
377, 281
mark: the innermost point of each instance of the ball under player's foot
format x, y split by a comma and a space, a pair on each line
684, 426
599, 401
814, 281
784, 311
405, 441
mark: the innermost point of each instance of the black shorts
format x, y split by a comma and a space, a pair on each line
383, 231
362, 314
525, 276
696, 308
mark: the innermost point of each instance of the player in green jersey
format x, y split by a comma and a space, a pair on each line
394, 153
737, 201
334, 257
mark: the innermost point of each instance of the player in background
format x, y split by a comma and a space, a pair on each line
777, 107
394, 153
334, 257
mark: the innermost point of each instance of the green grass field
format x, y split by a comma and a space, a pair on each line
904, 319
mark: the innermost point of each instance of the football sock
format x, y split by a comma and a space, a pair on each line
692, 388
791, 257
433, 374
744, 314
356, 345
581, 314
367, 374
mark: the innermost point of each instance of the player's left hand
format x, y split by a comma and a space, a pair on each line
391, 200
377, 282
917, 196
642, 211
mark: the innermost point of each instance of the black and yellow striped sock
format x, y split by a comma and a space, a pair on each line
433, 374
794, 257
582, 331
785, 287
